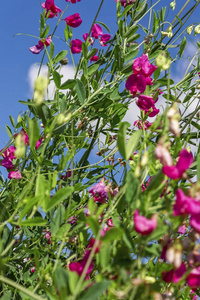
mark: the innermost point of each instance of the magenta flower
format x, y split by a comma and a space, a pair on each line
110, 223
104, 38
85, 36
78, 267
143, 225
48, 236
140, 124
184, 162
152, 112
73, 1
50, 6
76, 46
9, 152
67, 174
182, 229
193, 279
136, 84
40, 46
145, 102
14, 175
94, 57
74, 20
174, 275
39, 142
99, 192
195, 221
185, 205
7, 163
96, 31
91, 245
142, 66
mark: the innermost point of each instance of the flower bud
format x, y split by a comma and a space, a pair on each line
189, 29
197, 29
60, 119
160, 60
173, 5
144, 160
41, 84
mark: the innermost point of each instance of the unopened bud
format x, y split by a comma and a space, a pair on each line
144, 160
60, 119
189, 29
197, 29
173, 5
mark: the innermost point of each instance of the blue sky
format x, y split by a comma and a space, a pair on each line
23, 17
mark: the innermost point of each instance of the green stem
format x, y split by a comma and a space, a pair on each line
20, 288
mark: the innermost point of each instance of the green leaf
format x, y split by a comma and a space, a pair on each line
37, 221
63, 230
112, 234
84, 49
12, 121
80, 90
133, 37
104, 25
121, 138
69, 84
61, 278
30, 202
57, 79
93, 224
66, 31
155, 22
45, 32
91, 52
133, 186
119, 57
9, 132
33, 132
182, 46
132, 143
58, 197
128, 67
51, 50
128, 7
60, 56
96, 290
131, 30
104, 254
93, 68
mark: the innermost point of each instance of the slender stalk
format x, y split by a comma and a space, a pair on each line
20, 288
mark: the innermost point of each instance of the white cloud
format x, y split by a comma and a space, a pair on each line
66, 71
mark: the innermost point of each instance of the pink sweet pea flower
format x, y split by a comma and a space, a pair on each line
182, 229
142, 66
195, 221
152, 112
73, 1
40, 46
67, 175
39, 142
193, 278
104, 38
185, 205
174, 275
7, 163
99, 192
74, 20
91, 245
140, 124
94, 57
50, 6
143, 225
145, 102
96, 31
184, 162
78, 267
85, 36
14, 175
76, 46
9, 152
136, 84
